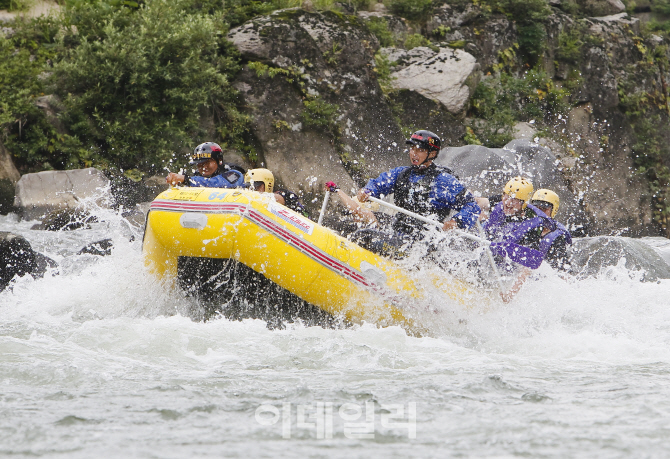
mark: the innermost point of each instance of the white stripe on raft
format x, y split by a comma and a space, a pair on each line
261, 220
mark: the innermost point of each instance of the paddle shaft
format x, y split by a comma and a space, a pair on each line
323, 207
428, 220
481, 240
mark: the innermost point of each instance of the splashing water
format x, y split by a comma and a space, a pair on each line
102, 359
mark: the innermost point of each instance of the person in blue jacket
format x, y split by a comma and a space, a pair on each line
212, 172
423, 188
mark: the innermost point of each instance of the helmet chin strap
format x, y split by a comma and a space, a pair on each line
428, 158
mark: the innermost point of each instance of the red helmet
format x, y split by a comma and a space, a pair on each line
206, 151
425, 139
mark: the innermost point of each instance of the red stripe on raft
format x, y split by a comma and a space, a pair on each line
261, 220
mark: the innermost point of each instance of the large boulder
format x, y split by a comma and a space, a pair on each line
486, 170
17, 258
601, 7
592, 256
43, 192
448, 76
321, 104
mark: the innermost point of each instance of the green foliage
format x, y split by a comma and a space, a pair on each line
649, 114
320, 114
383, 71
457, 44
529, 16
441, 31
136, 95
15, 5
416, 40
414, 10
569, 46
333, 54
503, 100
379, 28
661, 6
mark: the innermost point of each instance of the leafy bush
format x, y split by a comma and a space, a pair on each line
569, 46
15, 5
416, 40
413, 10
319, 113
502, 100
661, 6
379, 28
529, 16
136, 94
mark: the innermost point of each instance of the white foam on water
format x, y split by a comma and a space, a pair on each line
102, 359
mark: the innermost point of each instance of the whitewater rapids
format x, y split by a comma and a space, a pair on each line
102, 360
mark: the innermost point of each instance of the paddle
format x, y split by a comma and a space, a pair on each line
323, 207
481, 240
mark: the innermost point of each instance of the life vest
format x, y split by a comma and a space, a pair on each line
548, 239
516, 231
415, 197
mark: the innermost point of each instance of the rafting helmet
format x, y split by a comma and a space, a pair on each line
520, 188
261, 175
205, 152
543, 197
427, 140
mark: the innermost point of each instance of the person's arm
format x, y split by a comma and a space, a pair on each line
450, 193
557, 255
229, 179
382, 185
511, 293
359, 212
174, 179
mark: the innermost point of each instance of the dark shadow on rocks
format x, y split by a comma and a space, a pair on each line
227, 288
103, 247
65, 220
17, 257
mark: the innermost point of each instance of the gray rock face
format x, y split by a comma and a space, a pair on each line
331, 61
449, 76
486, 170
17, 258
601, 7
43, 192
591, 256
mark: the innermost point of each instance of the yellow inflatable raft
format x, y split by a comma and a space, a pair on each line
308, 260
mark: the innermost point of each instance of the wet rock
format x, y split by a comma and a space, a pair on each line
449, 77
418, 112
40, 193
137, 216
330, 63
102, 248
591, 256
65, 220
601, 7
17, 258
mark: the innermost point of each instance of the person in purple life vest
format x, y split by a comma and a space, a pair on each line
555, 237
423, 188
212, 172
524, 233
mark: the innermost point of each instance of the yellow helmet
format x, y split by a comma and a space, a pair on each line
520, 188
261, 175
547, 196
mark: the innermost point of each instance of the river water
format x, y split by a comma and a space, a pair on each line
103, 361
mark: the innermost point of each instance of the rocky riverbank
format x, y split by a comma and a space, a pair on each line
330, 94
